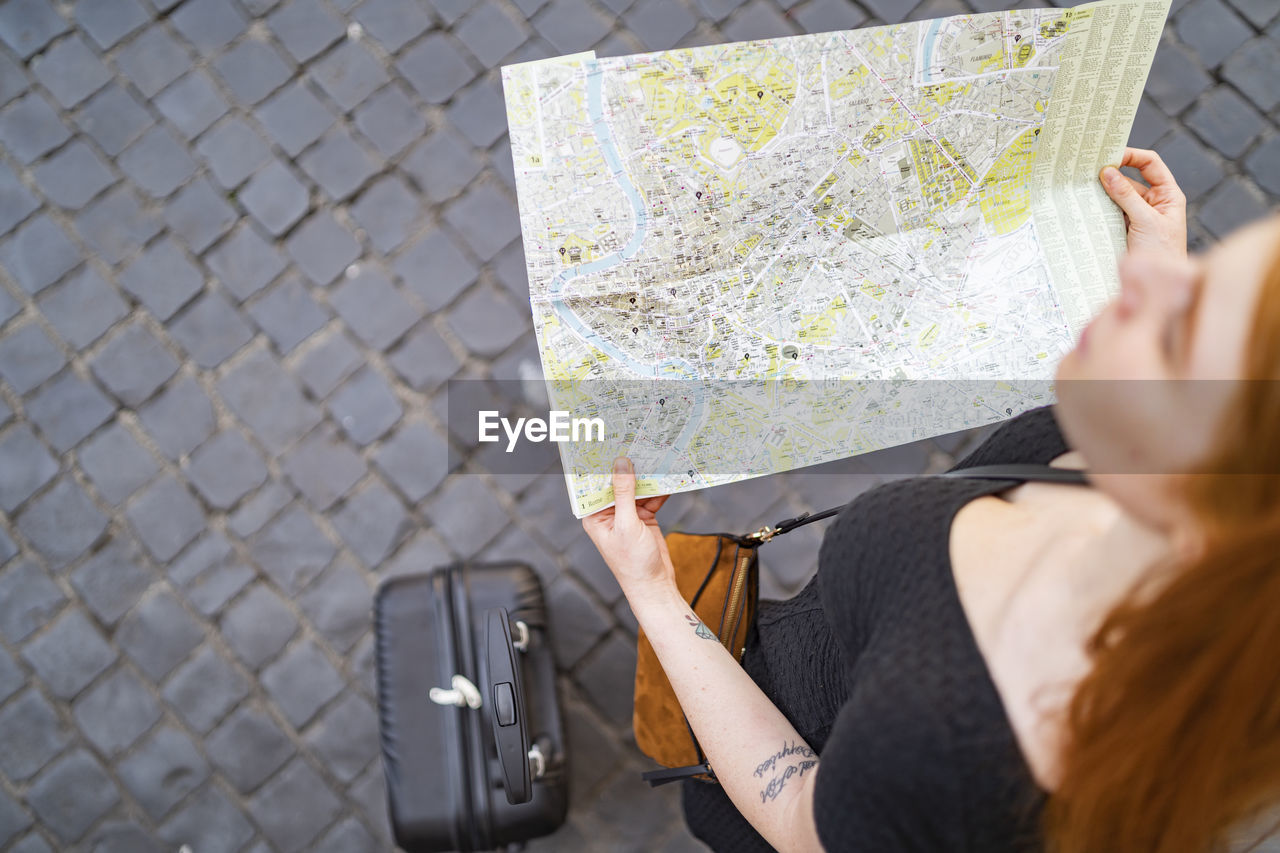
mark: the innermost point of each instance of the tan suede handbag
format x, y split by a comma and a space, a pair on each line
719, 575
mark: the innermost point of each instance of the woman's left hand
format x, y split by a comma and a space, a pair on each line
628, 537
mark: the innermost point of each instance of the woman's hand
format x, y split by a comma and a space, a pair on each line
628, 537
1156, 215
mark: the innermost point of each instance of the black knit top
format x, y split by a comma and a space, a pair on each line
876, 666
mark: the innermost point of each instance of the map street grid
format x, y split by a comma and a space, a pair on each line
752, 257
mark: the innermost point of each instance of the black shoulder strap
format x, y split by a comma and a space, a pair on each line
1017, 471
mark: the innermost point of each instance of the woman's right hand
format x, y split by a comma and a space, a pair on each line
1156, 215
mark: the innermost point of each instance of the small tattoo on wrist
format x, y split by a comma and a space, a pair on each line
698, 628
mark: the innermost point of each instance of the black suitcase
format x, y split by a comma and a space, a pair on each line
473, 745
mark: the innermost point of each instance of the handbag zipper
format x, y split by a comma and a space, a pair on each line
735, 600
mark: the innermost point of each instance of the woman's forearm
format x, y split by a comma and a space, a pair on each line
763, 764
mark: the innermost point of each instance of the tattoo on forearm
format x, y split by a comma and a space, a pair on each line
788, 749
698, 628
777, 783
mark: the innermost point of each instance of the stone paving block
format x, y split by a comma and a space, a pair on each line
252, 70
13, 79
262, 395
210, 818
346, 737
1252, 70
116, 464
370, 792
112, 580
122, 836
327, 364
486, 322
718, 10
339, 605
70, 71
305, 28
13, 819
608, 678
571, 25
30, 600
116, 712
26, 464
1226, 121
256, 627
219, 583
199, 215
1233, 204
38, 254
489, 33
275, 198
424, 360
233, 151
117, 225
12, 678
209, 24
1263, 164
594, 754
82, 308
245, 262
589, 566
422, 553
288, 314
191, 103
294, 806
133, 364
390, 120
1260, 12
362, 664
32, 843
434, 68
757, 20
1176, 78
165, 768
157, 163
108, 21
415, 459
529, 7
212, 549
394, 23
466, 514
158, 634
9, 307
348, 74
820, 16
248, 747
323, 468
295, 117
300, 682
16, 201
366, 407
113, 118
179, 419
442, 164
166, 517
479, 112
204, 688
501, 163
1212, 29
578, 621
210, 330
388, 211
292, 550
225, 469
510, 269
62, 522
449, 11
153, 60
28, 25
72, 794
659, 25
373, 523
348, 836
30, 127
485, 218
373, 308
69, 654
259, 509
338, 164
322, 247
73, 176
68, 409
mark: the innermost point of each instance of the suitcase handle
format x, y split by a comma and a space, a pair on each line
504, 695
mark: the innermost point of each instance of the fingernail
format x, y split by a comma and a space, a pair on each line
622, 465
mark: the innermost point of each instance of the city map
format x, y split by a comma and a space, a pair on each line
748, 258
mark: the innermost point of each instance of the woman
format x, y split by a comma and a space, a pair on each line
983, 665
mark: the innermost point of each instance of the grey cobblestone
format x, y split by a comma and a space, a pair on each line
192, 103
82, 308
571, 25
38, 254
294, 806
660, 26
113, 580
1226, 121
113, 118
121, 836
388, 211
435, 68
28, 25
414, 459
204, 688
365, 407
349, 74
211, 819
292, 550
339, 605
252, 70
1176, 79
73, 176
199, 215
16, 201
259, 509
479, 112
30, 600
209, 24
275, 198
288, 314
300, 682
327, 364
13, 819
179, 419
484, 219
390, 120
1230, 206
27, 466
245, 262
424, 360
489, 33
116, 464
1263, 164
12, 678
166, 517
157, 162
133, 364
116, 225
234, 151
153, 60
373, 522
371, 306
486, 322
349, 836
210, 330
13, 79
225, 469
68, 409
116, 712
62, 522
347, 737
69, 653
394, 23
338, 164
322, 247
30, 127
72, 794
265, 398
295, 117
163, 769
256, 627
441, 164
70, 71
248, 747
305, 28
108, 21
218, 581
323, 468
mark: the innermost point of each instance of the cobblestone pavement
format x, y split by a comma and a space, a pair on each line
242, 245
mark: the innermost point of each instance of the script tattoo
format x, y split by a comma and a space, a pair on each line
775, 785
792, 748
698, 628
808, 760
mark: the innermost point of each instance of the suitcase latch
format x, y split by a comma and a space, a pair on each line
521, 641
464, 694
